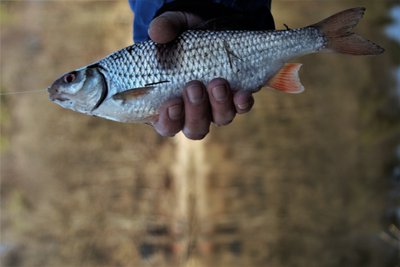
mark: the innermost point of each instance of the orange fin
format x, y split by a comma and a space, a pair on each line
132, 93
287, 79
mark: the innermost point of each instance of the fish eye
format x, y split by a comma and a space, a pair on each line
69, 78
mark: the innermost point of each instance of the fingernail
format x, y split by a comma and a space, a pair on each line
220, 93
195, 94
175, 112
244, 106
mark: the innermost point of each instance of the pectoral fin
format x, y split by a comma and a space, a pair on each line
132, 93
287, 79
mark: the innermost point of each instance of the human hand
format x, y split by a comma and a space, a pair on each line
200, 105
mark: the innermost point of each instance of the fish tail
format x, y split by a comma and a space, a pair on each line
337, 30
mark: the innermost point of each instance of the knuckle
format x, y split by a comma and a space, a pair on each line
223, 122
169, 134
163, 132
224, 113
167, 130
195, 135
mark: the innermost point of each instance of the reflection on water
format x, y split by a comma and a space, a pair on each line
299, 181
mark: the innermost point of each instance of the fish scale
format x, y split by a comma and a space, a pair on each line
131, 84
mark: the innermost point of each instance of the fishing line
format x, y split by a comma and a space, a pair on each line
23, 92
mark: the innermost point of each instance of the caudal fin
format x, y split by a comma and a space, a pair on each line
338, 31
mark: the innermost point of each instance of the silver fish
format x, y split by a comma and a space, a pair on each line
130, 84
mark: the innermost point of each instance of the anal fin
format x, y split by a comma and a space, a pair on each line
287, 79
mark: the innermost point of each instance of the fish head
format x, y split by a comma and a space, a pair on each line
81, 90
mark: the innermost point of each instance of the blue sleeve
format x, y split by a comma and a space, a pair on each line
146, 10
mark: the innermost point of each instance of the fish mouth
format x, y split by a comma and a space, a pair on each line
58, 98
54, 95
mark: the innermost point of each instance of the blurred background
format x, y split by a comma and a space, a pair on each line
302, 180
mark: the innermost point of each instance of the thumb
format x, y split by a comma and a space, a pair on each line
170, 24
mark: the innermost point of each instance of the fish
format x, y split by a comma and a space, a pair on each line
130, 85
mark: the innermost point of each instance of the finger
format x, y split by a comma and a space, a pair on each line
171, 118
221, 99
244, 101
197, 111
166, 27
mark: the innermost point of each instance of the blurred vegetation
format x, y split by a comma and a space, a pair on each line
302, 180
